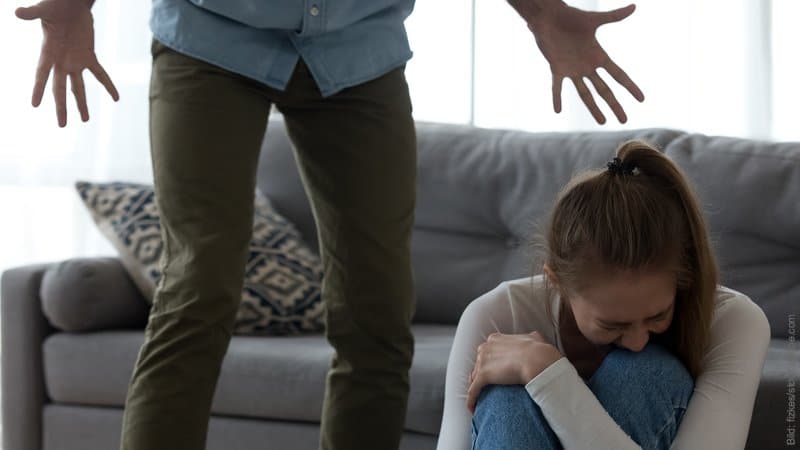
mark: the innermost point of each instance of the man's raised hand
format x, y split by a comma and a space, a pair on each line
67, 50
566, 37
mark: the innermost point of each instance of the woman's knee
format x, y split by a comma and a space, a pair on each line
646, 393
653, 374
507, 418
504, 399
656, 366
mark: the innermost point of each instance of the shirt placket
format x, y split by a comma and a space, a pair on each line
314, 18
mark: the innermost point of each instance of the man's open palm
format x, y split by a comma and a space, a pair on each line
566, 37
67, 50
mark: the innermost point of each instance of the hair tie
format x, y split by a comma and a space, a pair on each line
618, 167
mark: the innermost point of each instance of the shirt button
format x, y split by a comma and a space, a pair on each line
314, 10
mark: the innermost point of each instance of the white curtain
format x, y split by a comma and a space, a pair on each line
716, 67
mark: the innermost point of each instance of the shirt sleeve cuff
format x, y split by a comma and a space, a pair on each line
550, 373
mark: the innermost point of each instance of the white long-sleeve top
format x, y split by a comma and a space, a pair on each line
719, 411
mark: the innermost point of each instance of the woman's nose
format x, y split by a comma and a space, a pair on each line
635, 339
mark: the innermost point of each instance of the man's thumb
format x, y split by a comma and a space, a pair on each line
29, 13
615, 15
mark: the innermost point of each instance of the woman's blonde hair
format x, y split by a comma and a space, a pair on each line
640, 214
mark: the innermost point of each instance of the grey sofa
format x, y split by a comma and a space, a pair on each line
481, 195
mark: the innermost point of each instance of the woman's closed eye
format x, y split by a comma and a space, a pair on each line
617, 328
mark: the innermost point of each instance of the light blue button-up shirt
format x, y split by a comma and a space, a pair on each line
343, 42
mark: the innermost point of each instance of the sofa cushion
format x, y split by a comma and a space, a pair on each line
70, 427
265, 377
481, 196
751, 193
282, 285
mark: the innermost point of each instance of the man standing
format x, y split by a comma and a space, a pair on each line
335, 70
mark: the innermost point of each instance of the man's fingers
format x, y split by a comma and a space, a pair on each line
614, 15
60, 95
78, 90
29, 13
42, 74
602, 88
623, 79
104, 79
588, 100
557, 93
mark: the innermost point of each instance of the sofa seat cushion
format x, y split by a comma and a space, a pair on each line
263, 377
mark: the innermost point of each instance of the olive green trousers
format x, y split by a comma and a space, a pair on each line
356, 151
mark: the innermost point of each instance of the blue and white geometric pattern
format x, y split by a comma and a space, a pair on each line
282, 286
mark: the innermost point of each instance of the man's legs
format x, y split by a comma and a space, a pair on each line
206, 128
357, 155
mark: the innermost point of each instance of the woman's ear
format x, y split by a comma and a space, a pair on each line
548, 272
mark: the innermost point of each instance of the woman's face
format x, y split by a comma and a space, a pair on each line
624, 307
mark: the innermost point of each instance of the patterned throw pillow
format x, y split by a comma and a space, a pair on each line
283, 277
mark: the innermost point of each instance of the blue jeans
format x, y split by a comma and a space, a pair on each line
646, 393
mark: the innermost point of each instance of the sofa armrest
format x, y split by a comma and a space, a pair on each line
91, 294
24, 328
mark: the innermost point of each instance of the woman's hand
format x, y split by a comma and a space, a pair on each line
67, 50
509, 359
566, 37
